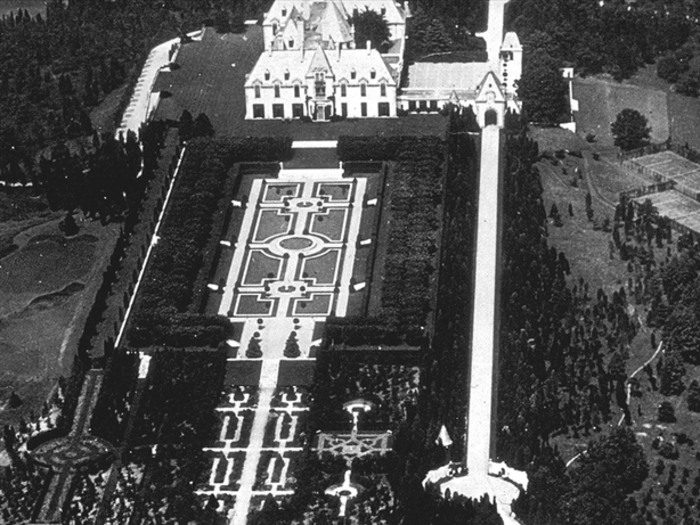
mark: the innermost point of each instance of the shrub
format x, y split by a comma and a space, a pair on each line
667, 414
668, 450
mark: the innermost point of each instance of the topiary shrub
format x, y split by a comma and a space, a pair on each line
291, 347
253, 351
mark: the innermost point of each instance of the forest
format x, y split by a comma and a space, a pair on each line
56, 69
614, 37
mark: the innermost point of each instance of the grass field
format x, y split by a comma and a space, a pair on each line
600, 101
46, 290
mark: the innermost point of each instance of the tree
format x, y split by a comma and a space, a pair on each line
70, 227
543, 89
221, 22
667, 414
202, 126
668, 68
630, 129
671, 375
694, 396
185, 126
291, 347
370, 25
612, 468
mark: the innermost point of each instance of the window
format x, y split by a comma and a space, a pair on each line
297, 91
433, 105
291, 43
320, 85
363, 109
383, 89
423, 105
267, 74
353, 74
277, 91
411, 105
373, 74
286, 74
257, 91
344, 109
343, 90
284, 11
258, 111
297, 110
278, 110
274, 29
363, 90
383, 109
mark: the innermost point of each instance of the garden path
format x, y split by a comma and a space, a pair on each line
291, 268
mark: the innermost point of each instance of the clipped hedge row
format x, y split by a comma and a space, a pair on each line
363, 331
172, 284
354, 148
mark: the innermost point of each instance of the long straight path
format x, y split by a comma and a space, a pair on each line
485, 317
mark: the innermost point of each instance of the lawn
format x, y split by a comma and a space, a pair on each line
47, 264
330, 224
261, 266
600, 101
48, 286
299, 372
322, 268
271, 223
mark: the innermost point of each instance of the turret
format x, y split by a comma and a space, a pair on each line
510, 62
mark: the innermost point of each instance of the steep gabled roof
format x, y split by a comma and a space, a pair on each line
333, 25
490, 83
511, 42
319, 62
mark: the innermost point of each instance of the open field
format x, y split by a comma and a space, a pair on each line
600, 101
46, 290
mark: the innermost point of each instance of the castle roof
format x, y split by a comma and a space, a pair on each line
338, 63
465, 76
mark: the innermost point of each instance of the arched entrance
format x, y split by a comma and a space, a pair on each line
491, 117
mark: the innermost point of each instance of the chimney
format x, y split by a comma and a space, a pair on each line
369, 47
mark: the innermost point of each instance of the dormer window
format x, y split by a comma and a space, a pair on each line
373, 74
383, 10
286, 74
291, 43
353, 74
267, 74
284, 11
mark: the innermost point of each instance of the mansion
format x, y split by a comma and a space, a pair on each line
311, 68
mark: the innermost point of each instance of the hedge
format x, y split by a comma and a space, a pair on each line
171, 292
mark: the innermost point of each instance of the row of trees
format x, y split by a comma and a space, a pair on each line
563, 358
168, 309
